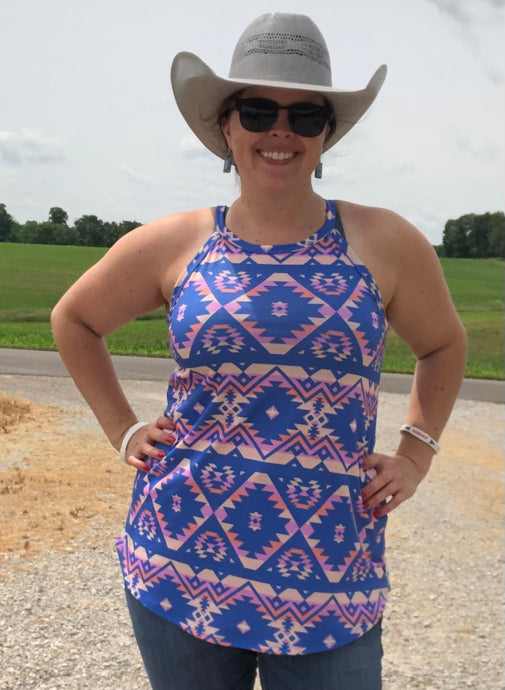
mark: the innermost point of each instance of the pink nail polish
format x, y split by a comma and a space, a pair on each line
170, 439
161, 454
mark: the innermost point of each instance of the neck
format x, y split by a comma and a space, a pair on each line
276, 219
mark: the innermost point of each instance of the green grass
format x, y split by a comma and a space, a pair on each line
476, 287
146, 337
485, 335
475, 284
33, 277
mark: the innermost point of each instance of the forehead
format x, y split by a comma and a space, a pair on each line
282, 96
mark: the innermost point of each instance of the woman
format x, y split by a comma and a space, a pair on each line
255, 536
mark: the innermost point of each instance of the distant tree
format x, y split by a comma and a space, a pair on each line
497, 234
58, 215
45, 232
475, 236
479, 236
456, 239
7, 224
111, 233
27, 232
56, 233
128, 226
89, 231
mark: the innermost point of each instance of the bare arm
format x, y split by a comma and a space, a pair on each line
136, 276
421, 311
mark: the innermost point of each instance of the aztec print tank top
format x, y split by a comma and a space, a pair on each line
251, 531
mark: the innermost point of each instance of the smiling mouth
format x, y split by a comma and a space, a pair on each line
277, 155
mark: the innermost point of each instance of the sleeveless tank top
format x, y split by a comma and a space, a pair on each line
251, 531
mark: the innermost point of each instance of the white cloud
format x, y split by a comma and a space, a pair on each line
30, 146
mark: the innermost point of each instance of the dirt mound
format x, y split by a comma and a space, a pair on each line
12, 411
55, 477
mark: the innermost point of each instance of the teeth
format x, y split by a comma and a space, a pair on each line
277, 155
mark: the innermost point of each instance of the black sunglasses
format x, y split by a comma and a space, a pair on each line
305, 119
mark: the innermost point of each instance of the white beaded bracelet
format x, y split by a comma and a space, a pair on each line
126, 438
422, 436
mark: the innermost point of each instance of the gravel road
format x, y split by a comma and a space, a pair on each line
63, 618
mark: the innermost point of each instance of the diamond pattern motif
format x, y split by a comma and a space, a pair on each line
251, 531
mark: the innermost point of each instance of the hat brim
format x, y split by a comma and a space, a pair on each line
200, 93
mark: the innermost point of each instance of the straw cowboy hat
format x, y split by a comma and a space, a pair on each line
281, 50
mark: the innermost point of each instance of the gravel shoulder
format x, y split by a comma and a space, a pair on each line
62, 614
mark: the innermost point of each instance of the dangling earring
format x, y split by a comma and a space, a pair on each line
228, 161
318, 172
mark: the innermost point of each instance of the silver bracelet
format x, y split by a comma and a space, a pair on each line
126, 438
422, 436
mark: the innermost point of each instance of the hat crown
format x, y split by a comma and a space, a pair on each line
284, 48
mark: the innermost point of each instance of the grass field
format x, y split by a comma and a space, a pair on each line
33, 277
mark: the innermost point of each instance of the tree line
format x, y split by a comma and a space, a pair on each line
87, 231
470, 236
474, 236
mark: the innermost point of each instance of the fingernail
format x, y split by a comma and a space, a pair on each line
146, 467
161, 454
170, 439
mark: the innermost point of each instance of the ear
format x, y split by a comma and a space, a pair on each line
225, 129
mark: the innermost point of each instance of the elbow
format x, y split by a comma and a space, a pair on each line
61, 325
60, 316
458, 343
66, 323
452, 351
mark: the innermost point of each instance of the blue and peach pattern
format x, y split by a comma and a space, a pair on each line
251, 531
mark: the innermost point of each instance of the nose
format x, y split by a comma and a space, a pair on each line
281, 126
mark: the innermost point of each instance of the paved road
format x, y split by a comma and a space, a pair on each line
42, 363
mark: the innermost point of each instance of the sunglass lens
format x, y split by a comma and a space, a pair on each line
308, 120
257, 114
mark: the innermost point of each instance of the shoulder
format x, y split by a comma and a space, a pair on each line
163, 248
178, 230
377, 225
388, 244
165, 245
149, 259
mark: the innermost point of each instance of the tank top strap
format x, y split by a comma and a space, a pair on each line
336, 228
339, 226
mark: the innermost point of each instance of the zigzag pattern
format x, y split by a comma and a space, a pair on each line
288, 612
251, 530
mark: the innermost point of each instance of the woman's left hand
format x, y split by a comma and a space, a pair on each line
397, 478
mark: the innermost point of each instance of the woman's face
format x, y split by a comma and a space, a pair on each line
277, 155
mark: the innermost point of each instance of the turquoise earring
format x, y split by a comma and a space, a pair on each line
227, 164
318, 172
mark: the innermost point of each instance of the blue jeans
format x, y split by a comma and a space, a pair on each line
175, 660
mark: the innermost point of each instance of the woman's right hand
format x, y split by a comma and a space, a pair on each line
142, 443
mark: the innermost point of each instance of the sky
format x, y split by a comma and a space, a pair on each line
88, 121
